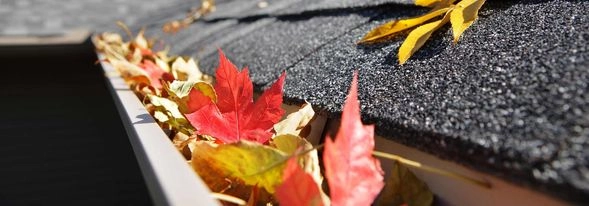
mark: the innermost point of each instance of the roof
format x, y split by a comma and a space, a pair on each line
510, 99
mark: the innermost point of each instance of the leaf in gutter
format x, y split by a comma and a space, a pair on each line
190, 96
235, 116
155, 73
187, 70
253, 163
417, 38
166, 111
353, 174
463, 15
298, 187
387, 30
295, 122
404, 188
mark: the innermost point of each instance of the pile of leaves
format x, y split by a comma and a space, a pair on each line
461, 15
246, 149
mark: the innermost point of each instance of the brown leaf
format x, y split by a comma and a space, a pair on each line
404, 188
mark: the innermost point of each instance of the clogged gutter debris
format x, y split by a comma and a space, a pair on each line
246, 151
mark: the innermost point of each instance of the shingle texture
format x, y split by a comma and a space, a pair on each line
510, 99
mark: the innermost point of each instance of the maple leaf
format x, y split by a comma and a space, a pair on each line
298, 187
235, 116
461, 15
354, 176
155, 73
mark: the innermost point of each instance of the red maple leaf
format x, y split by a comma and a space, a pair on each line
298, 187
235, 116
155, 73
354, 176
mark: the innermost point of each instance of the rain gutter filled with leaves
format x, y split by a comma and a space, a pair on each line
252, 151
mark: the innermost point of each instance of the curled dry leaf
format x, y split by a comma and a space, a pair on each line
417, 38
354, 176
295, 122
166, 111
462, 15
250, 162
391, 28
404, 188
188, 71
190, 96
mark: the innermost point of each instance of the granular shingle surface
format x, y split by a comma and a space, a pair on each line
511, 98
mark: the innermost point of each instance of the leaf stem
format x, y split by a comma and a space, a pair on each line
282, 161
417, 165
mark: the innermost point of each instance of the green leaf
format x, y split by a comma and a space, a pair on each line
253, 163
404, 188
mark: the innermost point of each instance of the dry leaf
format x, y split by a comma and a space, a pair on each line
427, 3
296, 121
404, 188
417, 38
463, 15
252, 163
387, 30
180, 92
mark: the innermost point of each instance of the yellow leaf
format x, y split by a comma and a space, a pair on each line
417, 38
463, 15
388, 29
127, 70
404, 188
310, 161
253, 163
167, 111
178, 92
295, 122
186, 70
426, 3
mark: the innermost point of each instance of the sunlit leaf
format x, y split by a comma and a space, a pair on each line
353, 174
426, 3
463, 15
236, 116
387, 30
295, 122
167, 112
404, 188
253, 163
417, 38
298, 187
187, 70
180, 92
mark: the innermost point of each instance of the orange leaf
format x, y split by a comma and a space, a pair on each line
353, 175
298, 187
